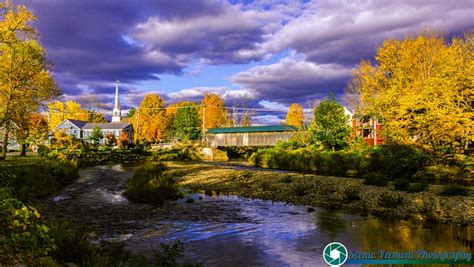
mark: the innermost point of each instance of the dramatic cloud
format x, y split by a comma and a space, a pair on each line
293, 80
343, 32
197, 93
92, 43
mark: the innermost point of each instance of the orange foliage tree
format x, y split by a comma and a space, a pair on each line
149, 121
213, 110
123, 140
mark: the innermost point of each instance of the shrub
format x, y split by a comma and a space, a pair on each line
441, 172
37, 179
72, 244
352, 194
24, 235
151, 185
376, 178
396, 161
402, 184
390, 200
454, 190
417, 187
299, 189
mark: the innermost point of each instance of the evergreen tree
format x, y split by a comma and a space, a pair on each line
96, 136
330, 124
186, 122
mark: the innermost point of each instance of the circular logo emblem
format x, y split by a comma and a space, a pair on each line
335, 254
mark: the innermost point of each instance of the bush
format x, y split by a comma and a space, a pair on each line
72, 244
402, 184
417, 187
151, 185
376, 178
454, 190
36, 179
24, 236
442, 172
396, 161
390, 200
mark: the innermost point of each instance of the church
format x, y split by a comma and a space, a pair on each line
83, 129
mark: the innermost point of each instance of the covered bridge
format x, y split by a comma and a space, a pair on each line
249, 136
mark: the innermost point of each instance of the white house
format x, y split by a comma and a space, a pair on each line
82, 129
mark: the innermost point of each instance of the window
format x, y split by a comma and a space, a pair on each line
67, 124
75, 132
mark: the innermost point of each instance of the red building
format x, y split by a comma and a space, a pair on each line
369, 128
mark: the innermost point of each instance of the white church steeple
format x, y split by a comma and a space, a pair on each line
116, 114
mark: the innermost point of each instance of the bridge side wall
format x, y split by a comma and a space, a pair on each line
247, 139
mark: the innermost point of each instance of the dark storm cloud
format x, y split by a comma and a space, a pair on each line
85, 39
94, 42
343, 32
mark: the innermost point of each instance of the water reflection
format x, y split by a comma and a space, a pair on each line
330, 222
232, 231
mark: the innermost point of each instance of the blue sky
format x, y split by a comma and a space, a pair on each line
261, 54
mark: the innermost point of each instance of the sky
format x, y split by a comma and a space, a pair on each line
263, 54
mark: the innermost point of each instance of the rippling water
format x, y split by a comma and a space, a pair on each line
232, 231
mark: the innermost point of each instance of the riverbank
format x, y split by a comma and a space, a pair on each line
330, 192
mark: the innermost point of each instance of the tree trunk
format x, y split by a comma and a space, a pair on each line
23, 150
3, 154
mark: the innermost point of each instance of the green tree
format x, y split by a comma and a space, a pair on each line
25, 82
186, 122
96, 135
130, 112
330, 124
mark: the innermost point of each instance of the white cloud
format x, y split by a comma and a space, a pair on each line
292, 78
196, 93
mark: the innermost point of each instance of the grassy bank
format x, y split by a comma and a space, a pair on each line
348, 194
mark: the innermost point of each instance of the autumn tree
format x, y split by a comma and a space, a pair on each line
95, 117
186, 122
149, 121
295, 115
330, 124
110, 140
33, 131
422, 89
25, 82
59, 111
123, 140
213, 111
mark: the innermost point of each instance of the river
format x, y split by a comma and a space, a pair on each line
232, 231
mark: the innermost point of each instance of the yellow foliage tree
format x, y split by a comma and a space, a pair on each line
295, 115
422, 88
25, 82
59, 111
149, 121
213, 110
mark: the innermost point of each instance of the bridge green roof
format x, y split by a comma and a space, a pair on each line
253, 129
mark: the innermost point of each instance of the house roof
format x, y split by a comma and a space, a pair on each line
77, 123
253, 129
106, 126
